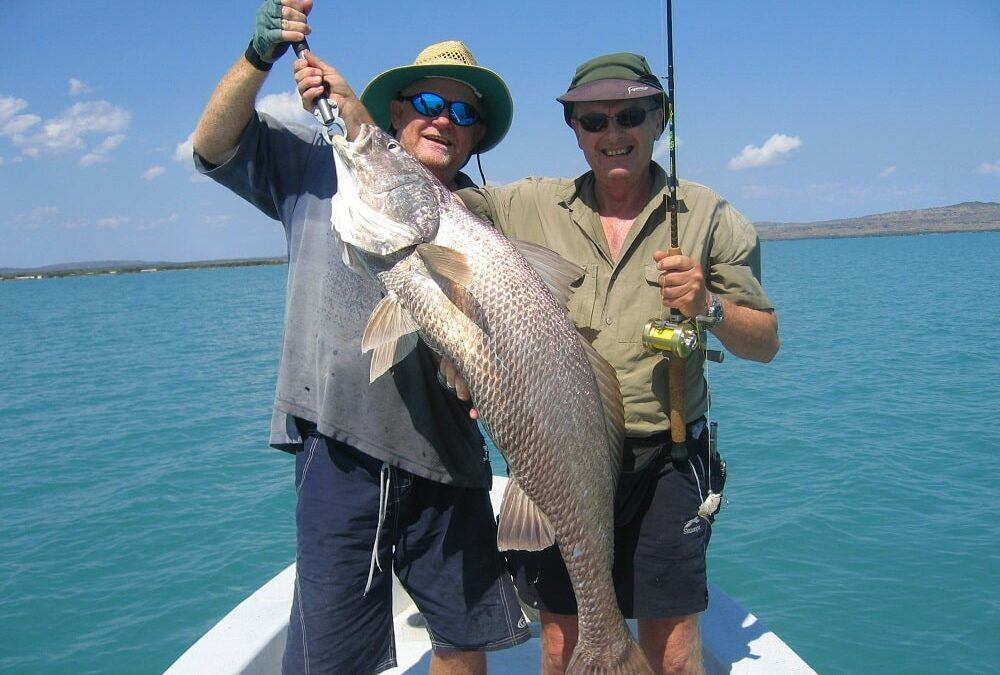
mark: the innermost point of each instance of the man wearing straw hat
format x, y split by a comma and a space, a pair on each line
391, 475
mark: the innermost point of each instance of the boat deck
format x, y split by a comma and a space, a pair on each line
251, 638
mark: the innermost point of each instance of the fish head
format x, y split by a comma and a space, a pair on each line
386, 201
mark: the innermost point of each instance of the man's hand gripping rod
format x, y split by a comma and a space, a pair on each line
326, 109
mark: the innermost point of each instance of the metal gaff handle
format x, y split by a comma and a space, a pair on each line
326, 109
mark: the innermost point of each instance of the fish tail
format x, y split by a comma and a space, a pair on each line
633, 662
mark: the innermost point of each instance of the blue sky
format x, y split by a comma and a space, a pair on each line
794, 110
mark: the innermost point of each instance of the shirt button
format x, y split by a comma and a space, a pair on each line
608, 321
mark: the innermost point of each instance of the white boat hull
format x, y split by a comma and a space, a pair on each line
251, 638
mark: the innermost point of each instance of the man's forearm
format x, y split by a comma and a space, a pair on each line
228, 112
749, 333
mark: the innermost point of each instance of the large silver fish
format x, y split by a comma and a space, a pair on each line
551, 404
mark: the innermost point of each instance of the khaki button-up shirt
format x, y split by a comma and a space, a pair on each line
615, 298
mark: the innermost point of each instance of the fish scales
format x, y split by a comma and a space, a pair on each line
530, 376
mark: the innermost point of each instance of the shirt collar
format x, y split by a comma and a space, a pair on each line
582, 188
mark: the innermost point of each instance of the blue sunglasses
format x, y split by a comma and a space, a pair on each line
429, 104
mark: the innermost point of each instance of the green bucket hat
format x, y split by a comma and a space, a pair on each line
612, 77
451, 59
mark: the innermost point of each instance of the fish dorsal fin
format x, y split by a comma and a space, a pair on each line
557, 272
611, 401
522, 525
446, 263
388, 322
451, 272
390, 334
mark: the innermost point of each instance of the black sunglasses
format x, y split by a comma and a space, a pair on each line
430, 104
595, 122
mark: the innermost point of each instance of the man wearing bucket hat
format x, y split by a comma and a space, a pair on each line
390, 476
614, 222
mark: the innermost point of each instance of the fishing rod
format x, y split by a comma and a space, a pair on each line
677, 337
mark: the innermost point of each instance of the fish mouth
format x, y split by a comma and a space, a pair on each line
347, 149
348, 153
364, 136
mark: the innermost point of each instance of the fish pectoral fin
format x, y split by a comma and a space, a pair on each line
386, 355
391, 334
350, 258
446, 263
522, 525
451, 272
388, 322
557, 272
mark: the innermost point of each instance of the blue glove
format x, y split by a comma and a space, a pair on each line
267, 42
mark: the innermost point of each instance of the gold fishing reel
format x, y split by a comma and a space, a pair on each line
677, 338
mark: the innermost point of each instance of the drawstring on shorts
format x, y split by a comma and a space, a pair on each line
383, 506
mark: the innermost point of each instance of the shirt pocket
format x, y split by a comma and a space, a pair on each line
639, 303
583, 299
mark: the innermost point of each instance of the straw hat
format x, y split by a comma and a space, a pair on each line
451, 59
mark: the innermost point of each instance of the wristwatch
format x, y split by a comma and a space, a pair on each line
715, 312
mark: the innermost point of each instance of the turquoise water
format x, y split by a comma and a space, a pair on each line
140, 502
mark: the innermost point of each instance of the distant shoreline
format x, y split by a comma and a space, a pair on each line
773, 233
99, 269
965, 217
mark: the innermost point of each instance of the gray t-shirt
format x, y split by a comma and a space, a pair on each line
404, 418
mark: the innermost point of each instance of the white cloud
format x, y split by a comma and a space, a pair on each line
755, 191
77, 87
17, 125
888, 171
11, 123
774, 151
184, 152
218, 220
36, 217
287, 107
81, 119
112, 222
10, 106
989, 167
153, 172
185, 149
72, 131
100, 152
154, 223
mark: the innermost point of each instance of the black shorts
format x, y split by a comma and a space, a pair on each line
660, 540
438, 539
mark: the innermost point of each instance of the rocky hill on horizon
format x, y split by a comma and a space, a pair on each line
964, 217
